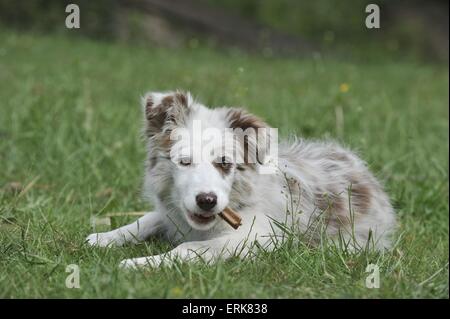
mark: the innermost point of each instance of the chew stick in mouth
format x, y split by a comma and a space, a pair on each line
231, 217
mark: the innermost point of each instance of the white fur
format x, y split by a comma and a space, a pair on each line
317, 168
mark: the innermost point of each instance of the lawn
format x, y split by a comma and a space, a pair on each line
70, 148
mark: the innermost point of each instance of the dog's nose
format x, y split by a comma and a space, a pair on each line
206, 201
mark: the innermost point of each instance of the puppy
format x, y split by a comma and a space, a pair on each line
307, 188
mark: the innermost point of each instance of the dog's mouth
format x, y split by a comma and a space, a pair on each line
202, 218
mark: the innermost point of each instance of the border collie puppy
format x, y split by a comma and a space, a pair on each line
318, 189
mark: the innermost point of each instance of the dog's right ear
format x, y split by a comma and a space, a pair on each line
164, 110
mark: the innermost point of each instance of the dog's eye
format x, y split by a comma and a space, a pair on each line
185, 161
224, 163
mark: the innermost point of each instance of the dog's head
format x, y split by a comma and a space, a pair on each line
200, 159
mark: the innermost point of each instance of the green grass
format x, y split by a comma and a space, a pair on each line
69, 129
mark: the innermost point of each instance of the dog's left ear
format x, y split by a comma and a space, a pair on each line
239, 118
163, 110
253, 132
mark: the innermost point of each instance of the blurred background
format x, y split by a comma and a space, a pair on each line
416, 30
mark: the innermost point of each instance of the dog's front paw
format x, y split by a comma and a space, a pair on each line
128, 264
135, 263
101, 239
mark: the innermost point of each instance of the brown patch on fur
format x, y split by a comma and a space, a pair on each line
155, 119
181, 98
178, 98
157, 115
240, 119
167, 101
330, 201
336, 205
361, 193
353, 199
166, 143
